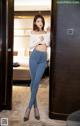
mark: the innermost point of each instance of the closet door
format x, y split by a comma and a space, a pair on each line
65, 59
6, 46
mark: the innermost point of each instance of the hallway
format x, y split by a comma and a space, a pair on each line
21, 95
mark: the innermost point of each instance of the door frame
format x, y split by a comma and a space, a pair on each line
6, 53
52, 58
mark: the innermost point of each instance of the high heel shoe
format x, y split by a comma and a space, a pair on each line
36, 113
27, 113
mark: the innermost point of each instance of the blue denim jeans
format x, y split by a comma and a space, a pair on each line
38, 63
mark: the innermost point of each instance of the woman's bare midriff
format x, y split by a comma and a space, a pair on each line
41, 47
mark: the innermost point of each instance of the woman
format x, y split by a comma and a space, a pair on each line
39, 41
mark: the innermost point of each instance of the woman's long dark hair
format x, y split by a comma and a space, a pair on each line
35, 28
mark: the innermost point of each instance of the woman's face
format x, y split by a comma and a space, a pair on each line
39, 23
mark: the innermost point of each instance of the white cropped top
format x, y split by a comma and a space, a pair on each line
36, 38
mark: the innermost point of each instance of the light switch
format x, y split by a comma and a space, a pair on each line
70, 31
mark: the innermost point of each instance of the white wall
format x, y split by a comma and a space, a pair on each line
23, 5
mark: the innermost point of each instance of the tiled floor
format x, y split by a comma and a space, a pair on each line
21, 95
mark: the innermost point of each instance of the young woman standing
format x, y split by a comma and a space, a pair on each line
39, 41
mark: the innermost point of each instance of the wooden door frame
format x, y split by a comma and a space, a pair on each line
52, 58
0, 50
6, 51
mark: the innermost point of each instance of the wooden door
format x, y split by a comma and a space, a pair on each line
6, 53
64, 92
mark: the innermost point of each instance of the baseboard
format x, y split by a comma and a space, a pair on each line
58, 116
6, 107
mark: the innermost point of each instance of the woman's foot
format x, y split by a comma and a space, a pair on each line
27, 113
36, 113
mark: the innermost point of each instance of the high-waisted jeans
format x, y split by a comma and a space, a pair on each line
38, 63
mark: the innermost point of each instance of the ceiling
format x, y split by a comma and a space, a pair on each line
32, 5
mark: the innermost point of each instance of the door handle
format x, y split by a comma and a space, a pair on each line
9, 49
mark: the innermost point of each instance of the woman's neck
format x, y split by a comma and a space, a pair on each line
40, 31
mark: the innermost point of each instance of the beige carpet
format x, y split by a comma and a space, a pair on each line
20, 99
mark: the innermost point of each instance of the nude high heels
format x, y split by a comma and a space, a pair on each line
27, 114
36, 113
